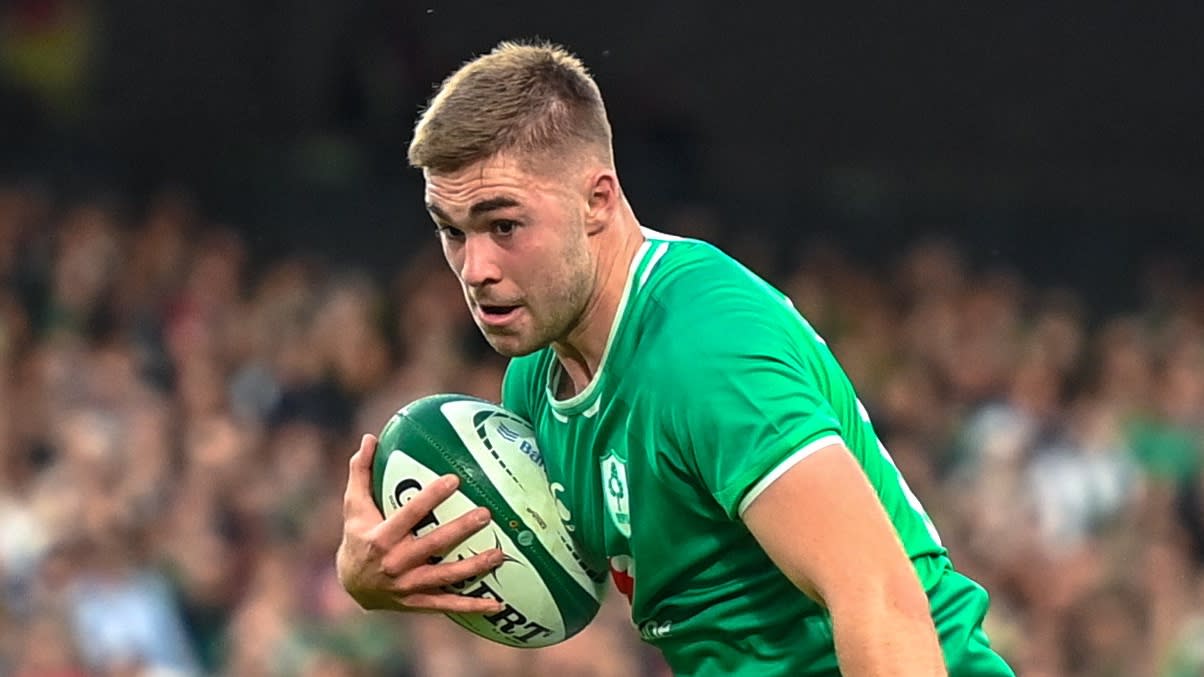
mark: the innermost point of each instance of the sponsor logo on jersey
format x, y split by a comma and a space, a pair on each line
652, 630
566, 517
614, 485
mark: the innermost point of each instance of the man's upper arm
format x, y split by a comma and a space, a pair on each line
823, 525
742, 416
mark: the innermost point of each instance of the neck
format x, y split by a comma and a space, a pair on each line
580, 353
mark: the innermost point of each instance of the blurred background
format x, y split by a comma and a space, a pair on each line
216, 273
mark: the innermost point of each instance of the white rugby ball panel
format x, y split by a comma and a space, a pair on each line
549, 591
505, 449
531, 617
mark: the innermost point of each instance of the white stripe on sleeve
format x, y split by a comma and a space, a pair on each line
781, 468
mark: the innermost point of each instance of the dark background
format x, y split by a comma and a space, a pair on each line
1063, 139
199, 392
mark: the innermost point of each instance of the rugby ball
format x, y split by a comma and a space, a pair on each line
544, 582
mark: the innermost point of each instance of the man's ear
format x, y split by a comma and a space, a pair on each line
604, 198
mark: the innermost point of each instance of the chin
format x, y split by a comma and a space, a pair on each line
510, 345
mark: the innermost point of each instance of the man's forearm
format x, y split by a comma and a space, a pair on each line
886, 638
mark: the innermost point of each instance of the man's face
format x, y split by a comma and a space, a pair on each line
517, 242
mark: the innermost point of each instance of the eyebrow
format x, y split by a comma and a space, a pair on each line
478, 208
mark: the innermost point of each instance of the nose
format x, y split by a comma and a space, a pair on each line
479, 266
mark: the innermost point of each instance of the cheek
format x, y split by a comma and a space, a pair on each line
559, 289
454, 258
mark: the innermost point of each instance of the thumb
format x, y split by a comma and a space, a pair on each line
358, 496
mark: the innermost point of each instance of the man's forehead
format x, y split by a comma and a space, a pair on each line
498, 187
485, 175
493, 164
473, 200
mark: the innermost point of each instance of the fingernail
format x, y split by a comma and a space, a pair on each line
451, 481
496, 557
482, 516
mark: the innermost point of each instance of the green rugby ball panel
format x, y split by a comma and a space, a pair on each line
548, 591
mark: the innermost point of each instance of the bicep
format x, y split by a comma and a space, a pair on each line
824, 526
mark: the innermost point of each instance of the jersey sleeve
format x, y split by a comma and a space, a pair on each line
751, 405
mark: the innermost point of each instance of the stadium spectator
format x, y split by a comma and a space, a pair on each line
174, 419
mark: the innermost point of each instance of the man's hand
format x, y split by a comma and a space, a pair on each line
383, 565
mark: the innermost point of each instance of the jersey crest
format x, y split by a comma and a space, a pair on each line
614, 484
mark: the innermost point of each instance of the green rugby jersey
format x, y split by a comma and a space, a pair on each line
711, 386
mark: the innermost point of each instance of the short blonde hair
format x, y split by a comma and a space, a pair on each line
533, 99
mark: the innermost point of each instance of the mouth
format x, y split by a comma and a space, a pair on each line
496, 315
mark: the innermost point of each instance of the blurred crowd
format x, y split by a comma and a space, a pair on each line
177, 418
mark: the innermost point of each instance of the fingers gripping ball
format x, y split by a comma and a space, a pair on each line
548, 591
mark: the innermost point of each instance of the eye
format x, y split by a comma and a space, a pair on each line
448, 232
503, 227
